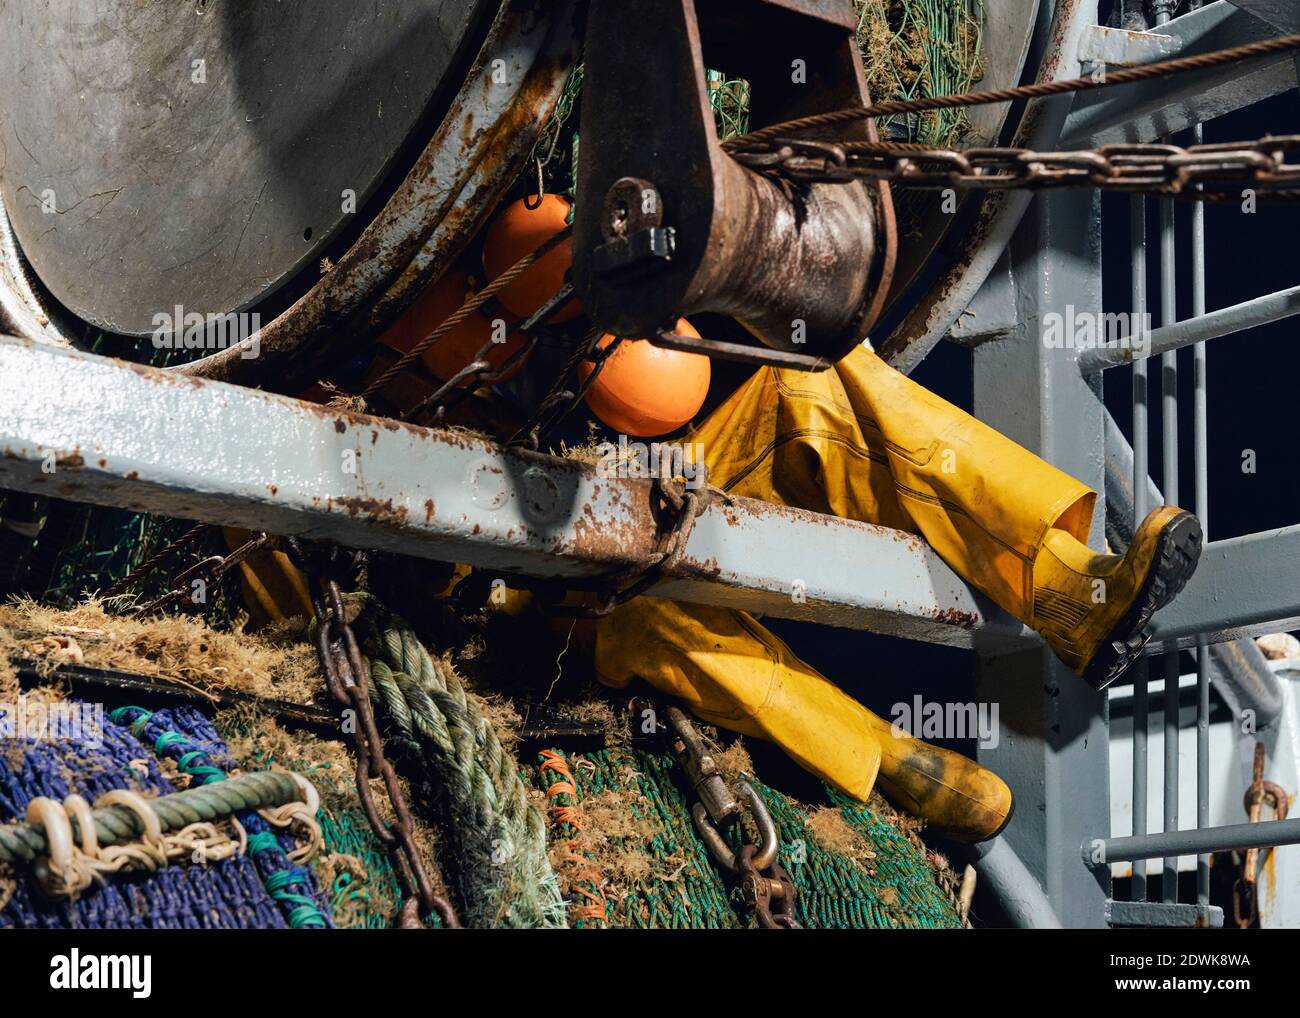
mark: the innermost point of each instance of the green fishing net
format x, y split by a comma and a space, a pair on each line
636, 828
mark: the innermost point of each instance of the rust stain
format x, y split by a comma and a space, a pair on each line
429, 510
300, 339
375, 510
954, 617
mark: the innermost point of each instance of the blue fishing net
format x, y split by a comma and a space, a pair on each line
260, 890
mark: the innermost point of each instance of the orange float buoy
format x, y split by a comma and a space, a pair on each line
457, 348
645, 390
514, 233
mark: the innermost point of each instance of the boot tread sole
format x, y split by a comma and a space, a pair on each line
1178, 549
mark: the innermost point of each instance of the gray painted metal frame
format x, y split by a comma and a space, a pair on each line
1272, 307
1233, 837
1244, 586
1220, 604
79, 426
1056, 753
1148, 110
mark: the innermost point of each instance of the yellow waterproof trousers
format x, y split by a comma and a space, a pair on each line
864, 442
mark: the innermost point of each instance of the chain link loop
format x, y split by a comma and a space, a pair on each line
1260, 793
345, 680
767, 890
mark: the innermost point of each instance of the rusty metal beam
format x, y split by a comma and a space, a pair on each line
88, 428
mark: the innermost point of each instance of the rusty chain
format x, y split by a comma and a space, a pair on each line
767, 890
1260, 793
346, 682
1200, 172
1143, 168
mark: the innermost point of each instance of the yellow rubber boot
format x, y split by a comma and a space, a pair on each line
1094, 609
733, 673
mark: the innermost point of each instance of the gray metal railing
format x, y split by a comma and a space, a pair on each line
1164, 342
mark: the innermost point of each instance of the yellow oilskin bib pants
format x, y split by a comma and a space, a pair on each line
864, 442
734, 673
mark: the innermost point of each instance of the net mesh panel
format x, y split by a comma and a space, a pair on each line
365, 899
354, 870
915, 49
684, 889
229, 894
673, 884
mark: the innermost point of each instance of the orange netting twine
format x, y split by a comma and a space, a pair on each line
585, 879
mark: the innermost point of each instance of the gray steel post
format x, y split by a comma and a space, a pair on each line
1233, 837
1054, 751
1249, 314
1016, 889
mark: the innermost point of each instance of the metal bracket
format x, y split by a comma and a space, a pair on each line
1156, 915
1120, 48
667, 224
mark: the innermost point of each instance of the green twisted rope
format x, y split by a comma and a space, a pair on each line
23, 843
458, 768
305, 914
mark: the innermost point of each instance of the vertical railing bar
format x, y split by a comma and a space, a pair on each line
1200, 437
1162, 11
1141, 709
1169, 444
